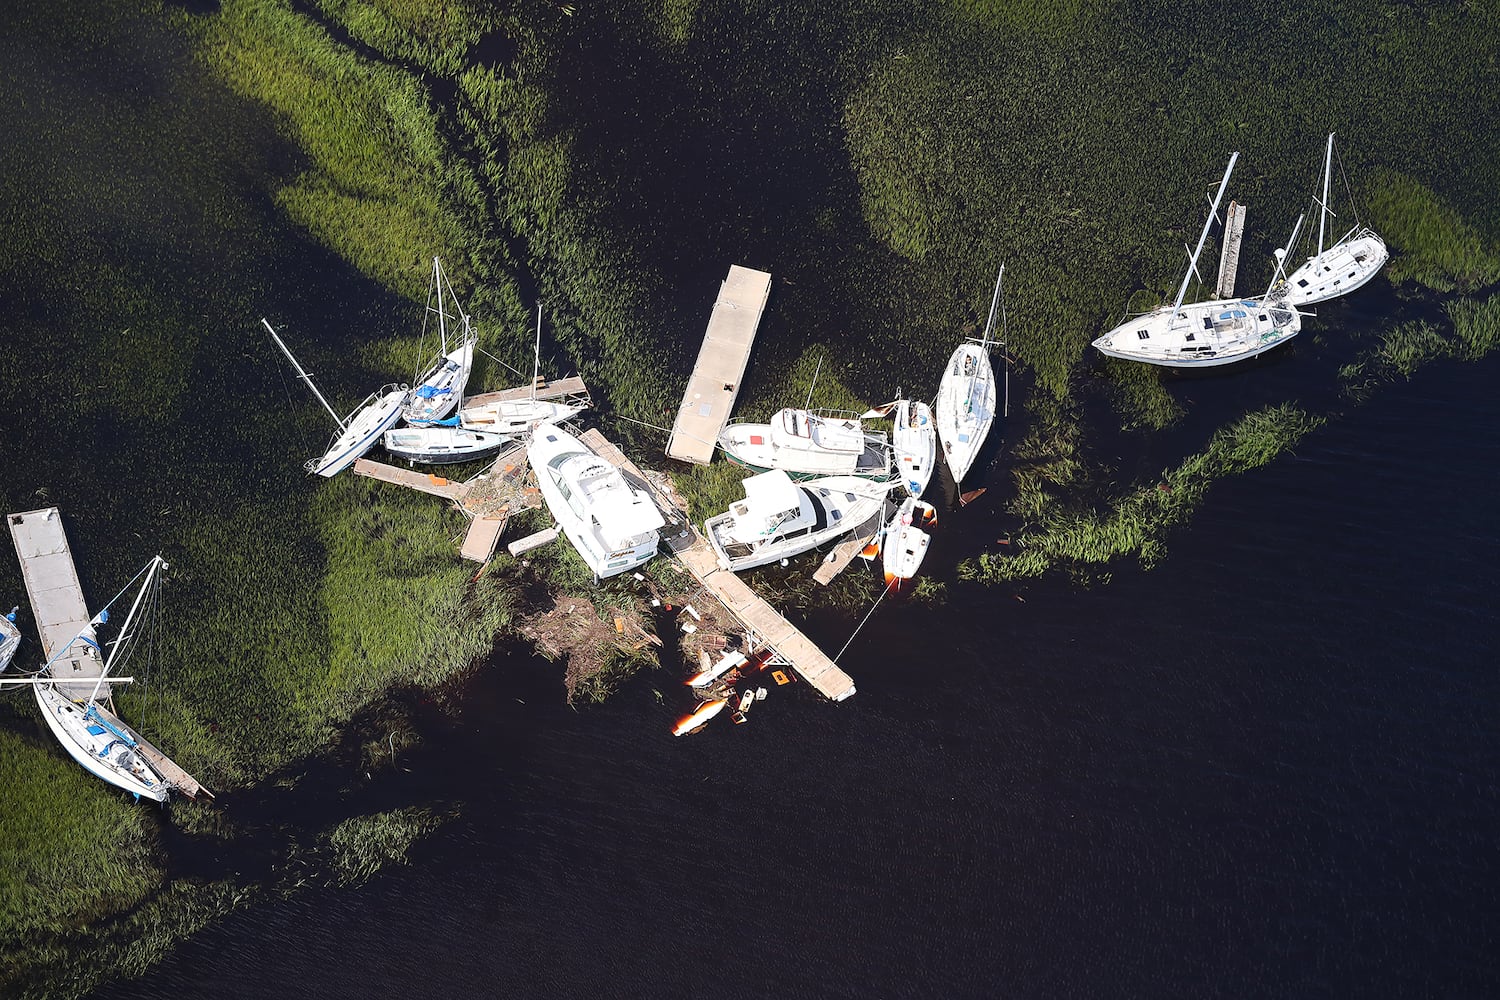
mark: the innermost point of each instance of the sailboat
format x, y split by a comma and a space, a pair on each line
779, 518
1203, 334
438, 445
1341, 268
613, 525
914, 441
437, 392
966, 397
92, 734
518, 417
10, 639
905, 544
360, 430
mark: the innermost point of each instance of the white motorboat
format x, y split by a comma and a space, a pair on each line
360, 430
905, 542
613, 525
87, 730
914, 442
1341, 268
805, 443
699, 717
442, 445
1203, 334
437, 392
780, 518
519, 417
966, 397
10, 639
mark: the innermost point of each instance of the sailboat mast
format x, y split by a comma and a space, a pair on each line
1281, 254
437, 279
989, 325
1203, 238
536, 356
1327, 170
302, 374
157, 562
808, 405
1005, 342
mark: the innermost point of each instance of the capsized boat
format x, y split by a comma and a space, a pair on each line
780, 518
905, 543
87, 730
699, 717
807, 443
732, 658
438, 390
1346, 265
613, 525
914, 442
1203, 334
360, 430
10, 638
966, 397
437, 445
519, 417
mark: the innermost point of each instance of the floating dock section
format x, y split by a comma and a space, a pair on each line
844, 552
715, 382
694, 552
56, 599
571, 389
1229, 258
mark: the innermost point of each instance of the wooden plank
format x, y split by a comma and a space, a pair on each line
1229, 259
535, 540
715, 382
844, 552
562, 388
483, 534
56, 598
410, 478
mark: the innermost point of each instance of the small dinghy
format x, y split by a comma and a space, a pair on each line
438, 390
10, 638
966, 398
905, 544
442, 445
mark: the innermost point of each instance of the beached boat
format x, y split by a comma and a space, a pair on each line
1203, 334
1341, 268
780, 518
613, 525
10, 638
966, 397
905, 542
727, 661
806, 443
89, 731
438, 445
914, 442
437, 391
360, 430
699, 717
519, 417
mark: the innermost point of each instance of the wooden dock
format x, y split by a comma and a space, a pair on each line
844, 552
56, 599
411, 479
715, 382
752, 611
1229, 257
571, 387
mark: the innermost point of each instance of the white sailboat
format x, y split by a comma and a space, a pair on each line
807, 443
442, 445
1348, 264
10, 639
90, 733
966, 397
779, 518
437, 392
613, 525
360, 430
1203, 334
905, 543
915, 444
518, 417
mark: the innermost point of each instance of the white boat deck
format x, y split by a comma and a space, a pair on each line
56, 598
715, 382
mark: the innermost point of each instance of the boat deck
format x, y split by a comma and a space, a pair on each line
56, 598
695, 554
715, 382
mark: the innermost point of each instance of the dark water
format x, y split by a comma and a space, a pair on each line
1265, 768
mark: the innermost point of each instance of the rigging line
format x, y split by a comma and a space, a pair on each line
1348, 189
498, 361
883, 592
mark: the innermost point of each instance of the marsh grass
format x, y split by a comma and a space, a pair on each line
1431, 243
361, 846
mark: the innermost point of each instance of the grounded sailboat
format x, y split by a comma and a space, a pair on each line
437, 392
966, 397
360, 430
437, 445
518, 417
90, 733
1203, 334
613, 525
10, 639
1341, 268
915, 444
780, 518
805, 443
905, 544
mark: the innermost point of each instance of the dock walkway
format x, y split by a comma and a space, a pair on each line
694, 552
715, 382
56, 599
569, 388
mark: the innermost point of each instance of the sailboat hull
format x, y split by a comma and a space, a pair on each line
10, 641
438, 392
1203, 334
914, 442
442, 445
965, 407
363, 430
97, 749
1339, 270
